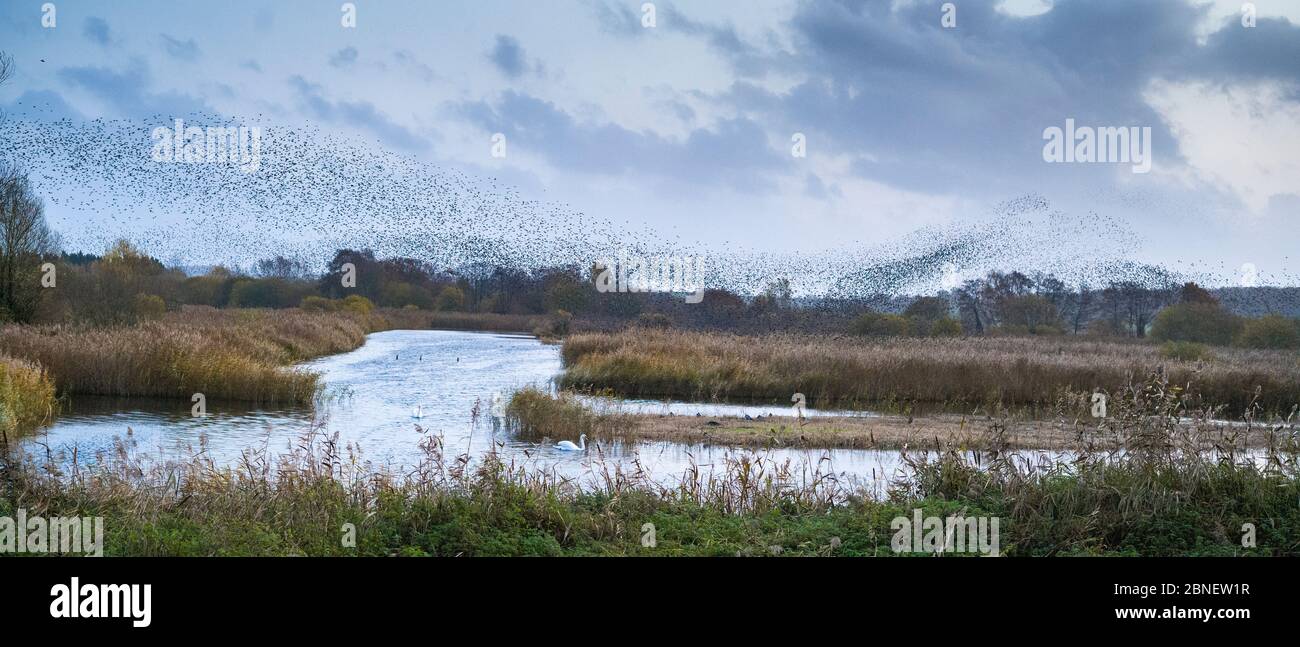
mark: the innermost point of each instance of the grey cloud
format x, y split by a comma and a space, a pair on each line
128, 93
949, 110
184, 50
508, 57
417, 67
358, 114
96, 30
344, 57
733, 153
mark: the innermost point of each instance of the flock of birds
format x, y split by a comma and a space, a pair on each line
316, 192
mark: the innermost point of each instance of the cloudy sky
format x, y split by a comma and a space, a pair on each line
687, 126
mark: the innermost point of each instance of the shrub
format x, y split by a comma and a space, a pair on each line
657, 320
399, 295
557, 325
451, 298
1032, 313
26, 396
357, 304
149, 307
876, 324
1272, 331
319, 304
1200, 322
945, 327
1186, 351
1103, 328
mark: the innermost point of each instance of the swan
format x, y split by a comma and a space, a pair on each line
418, 411
568, 446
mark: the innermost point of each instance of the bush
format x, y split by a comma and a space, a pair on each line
149, 307
1272, 331
1186, 351
400, 295
945, 327
319, 304
876, 324
357, 304
1199, 322
656, 320
1032, 313
26, 396
451, 298
267, 293
1103, 328
557, 325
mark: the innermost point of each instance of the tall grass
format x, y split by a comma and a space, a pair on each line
223, 354
1175, 483
26, 396
534, 415
861, 373
1178, 486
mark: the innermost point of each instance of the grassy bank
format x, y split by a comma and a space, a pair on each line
535, 415
849, 372
26, 396
223, 354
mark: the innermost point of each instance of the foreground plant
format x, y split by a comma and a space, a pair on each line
26, 396
1179, 485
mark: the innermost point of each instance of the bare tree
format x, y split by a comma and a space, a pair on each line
6, 73
1139, 304
24, 240
1081, 308
6, 67
971, 307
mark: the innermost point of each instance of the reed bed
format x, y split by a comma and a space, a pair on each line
26, 396
533, 414
223, 354
486, 321
857, 373
1177, 485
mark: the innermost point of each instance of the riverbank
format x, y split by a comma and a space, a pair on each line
989, 373
534, 414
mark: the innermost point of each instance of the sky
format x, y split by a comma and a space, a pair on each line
685, 127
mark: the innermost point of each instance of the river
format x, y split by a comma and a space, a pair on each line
372, 393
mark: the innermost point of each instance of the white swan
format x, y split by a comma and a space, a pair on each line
568, 446
418, 411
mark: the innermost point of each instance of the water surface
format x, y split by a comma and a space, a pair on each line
373, 394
